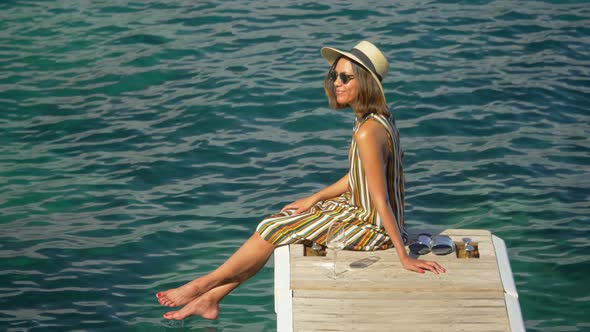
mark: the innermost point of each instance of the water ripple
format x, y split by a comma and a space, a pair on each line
142, 142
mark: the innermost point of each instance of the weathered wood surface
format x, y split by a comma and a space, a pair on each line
385, 297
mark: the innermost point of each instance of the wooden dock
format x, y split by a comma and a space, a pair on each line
374, 293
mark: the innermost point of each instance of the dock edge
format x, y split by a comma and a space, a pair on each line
283, 292
510, 293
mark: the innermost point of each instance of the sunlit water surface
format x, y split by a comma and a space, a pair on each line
141, 143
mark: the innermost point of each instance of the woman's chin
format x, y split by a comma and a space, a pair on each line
343, 101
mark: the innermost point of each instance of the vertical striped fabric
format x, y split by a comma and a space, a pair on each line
364, 227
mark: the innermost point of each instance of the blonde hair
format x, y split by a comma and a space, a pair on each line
370, 99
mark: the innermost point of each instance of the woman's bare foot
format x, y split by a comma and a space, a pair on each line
200, 306
179, 296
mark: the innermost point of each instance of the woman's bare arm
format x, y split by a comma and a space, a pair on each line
372, 144
333, 190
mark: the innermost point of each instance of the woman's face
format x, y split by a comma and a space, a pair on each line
347, 93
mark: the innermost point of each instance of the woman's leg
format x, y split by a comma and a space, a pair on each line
206, 305
242, 265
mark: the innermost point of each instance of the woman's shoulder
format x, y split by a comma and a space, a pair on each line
371, 130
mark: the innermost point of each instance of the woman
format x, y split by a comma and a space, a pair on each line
369, 198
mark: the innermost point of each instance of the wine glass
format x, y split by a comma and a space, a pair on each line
336, 240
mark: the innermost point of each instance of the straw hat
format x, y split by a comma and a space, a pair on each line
365, 54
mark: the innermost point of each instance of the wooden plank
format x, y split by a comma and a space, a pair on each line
319, 294
394, 277
296, 250
352, 315
418, 326
420, 302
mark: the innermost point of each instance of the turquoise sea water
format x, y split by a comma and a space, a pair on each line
141, 143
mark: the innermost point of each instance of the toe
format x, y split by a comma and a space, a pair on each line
172, 315
175, 315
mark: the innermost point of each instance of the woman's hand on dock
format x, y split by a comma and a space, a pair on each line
418, 265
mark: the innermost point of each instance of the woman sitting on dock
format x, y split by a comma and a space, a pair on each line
369, 198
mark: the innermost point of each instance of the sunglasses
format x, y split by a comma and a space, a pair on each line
343, 77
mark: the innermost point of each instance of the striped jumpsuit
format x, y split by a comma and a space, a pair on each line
354, 207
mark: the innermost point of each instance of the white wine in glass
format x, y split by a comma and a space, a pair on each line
336, 240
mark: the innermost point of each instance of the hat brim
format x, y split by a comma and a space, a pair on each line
332, 54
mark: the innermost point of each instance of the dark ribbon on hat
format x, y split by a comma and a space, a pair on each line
366, 61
